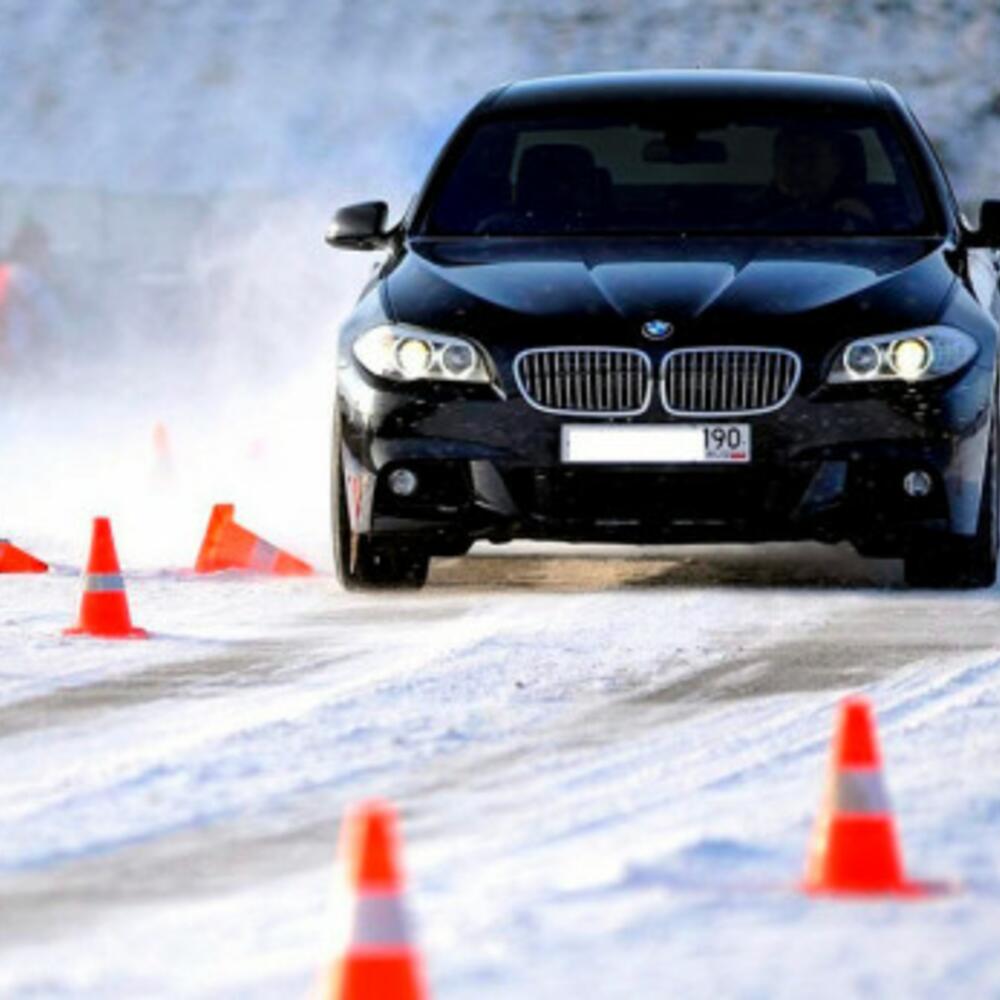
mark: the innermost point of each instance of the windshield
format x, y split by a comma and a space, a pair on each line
800, 171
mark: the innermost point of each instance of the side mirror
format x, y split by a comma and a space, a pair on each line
359, 227
988, 233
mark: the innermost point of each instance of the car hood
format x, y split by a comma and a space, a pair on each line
593, 288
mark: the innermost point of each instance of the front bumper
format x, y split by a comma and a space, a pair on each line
827, 466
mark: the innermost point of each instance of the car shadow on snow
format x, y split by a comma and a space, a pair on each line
568, 568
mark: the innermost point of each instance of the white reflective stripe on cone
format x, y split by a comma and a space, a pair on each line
264, 554
101, 582
857, 790
378, 921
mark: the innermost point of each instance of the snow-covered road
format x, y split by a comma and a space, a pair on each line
607, 763
607, 767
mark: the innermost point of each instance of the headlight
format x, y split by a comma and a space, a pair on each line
914, 356
406, 354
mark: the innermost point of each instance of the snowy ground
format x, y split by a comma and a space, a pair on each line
607, 768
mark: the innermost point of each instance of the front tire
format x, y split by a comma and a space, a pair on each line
958, 563
360, 561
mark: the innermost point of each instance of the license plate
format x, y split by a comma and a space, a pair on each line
720, 443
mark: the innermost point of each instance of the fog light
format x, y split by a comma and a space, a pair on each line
403, 482
917, 483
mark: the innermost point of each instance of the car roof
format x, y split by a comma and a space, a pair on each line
594, 89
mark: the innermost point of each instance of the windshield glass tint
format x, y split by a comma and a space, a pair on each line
701, 173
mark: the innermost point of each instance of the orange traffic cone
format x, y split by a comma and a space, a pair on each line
228, 545
855, 848
104, 607
375, 959
15, 560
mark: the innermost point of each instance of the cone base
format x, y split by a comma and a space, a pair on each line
395, 974
901, 891
132, 633
857, 854
253, 571
285, 566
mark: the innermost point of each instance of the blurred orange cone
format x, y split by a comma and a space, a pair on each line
104, 607
375, 959
15, 560
164, 463
855, 848
228, 545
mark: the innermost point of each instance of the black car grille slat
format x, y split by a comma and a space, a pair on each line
604, 380
728, 380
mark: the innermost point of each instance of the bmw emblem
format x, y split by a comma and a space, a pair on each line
657, 329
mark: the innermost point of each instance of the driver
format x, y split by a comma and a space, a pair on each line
814, 177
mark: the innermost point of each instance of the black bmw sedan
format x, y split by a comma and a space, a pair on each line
673, 307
